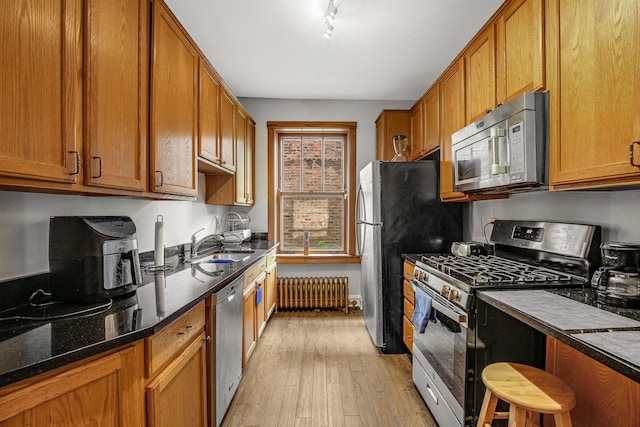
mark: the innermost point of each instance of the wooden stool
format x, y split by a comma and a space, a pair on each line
528, 391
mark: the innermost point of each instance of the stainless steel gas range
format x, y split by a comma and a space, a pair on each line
449, 355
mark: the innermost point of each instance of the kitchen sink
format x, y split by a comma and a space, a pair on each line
223, 257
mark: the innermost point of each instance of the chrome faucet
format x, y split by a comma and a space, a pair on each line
195, 244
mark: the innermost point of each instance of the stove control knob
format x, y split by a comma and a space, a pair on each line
445, 290
454, 295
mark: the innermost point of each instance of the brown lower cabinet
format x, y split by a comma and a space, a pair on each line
408, 306
249, 339
178, 395
105, 391
176, 370
604, 397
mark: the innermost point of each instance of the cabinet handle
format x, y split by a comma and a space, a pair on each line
499, 104
224, 162
77, 171
161, 179
186, 330
631, 159
100, 167
207, 338
488, 110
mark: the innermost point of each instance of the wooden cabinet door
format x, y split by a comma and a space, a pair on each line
41, 90
250, 148
594, 91
407, 333
480, 63
416, 125
227, 131
105, 392
431, 118
520, 49
209, 119
241, 132
271, 289
452, 107
604, 397
249, 338
116, 93
388, 124
261, 318
174, 107
178, 395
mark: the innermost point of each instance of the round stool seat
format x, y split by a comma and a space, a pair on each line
528, 387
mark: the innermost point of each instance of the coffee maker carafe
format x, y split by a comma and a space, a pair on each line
618, 280
93, 259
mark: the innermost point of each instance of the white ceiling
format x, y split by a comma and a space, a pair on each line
380, 49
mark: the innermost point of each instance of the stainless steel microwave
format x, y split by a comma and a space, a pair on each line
506, 150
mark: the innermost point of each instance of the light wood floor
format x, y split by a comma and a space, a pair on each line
319, 369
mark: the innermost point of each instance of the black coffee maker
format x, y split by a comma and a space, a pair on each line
92, 258
618, 280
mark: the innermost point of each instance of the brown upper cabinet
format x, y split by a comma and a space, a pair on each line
388, 124
520, 49
416, 134
480, 61
116, 80
54, 137
594, 93
228, 118
241, 142
506, 59
174, 106
430, 131
41, 87
209, 118
250, 163
452, 107
236, 189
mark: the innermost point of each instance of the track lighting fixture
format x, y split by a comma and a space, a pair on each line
330, 17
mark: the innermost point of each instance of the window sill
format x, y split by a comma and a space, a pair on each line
317, 259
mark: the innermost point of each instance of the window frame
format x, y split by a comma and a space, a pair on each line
348, 129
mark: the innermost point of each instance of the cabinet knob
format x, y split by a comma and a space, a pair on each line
488, 110
631, 153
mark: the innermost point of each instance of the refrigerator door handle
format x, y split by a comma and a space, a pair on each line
359, 218
360, 207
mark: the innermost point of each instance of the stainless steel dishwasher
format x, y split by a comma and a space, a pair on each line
226, 360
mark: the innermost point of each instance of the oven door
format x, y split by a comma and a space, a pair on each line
440, 360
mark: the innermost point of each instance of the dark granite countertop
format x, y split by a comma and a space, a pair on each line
607, 334
28, 348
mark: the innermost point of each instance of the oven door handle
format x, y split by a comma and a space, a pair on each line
460, 317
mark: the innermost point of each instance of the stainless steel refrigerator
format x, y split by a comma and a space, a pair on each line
398, 210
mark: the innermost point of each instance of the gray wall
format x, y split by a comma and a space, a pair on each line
362, 112
616, 211
24, 224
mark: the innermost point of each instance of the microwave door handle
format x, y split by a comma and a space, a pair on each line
496, 167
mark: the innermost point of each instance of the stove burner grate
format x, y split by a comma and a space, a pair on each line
484, 270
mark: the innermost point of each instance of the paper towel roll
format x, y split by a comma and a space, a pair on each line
158, 253
160, 285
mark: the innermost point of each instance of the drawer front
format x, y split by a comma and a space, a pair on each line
409, 293
253, 271
407, 333
408, 309
171, 340
271, 258
408, 268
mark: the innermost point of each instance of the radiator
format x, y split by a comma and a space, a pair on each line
313, 292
